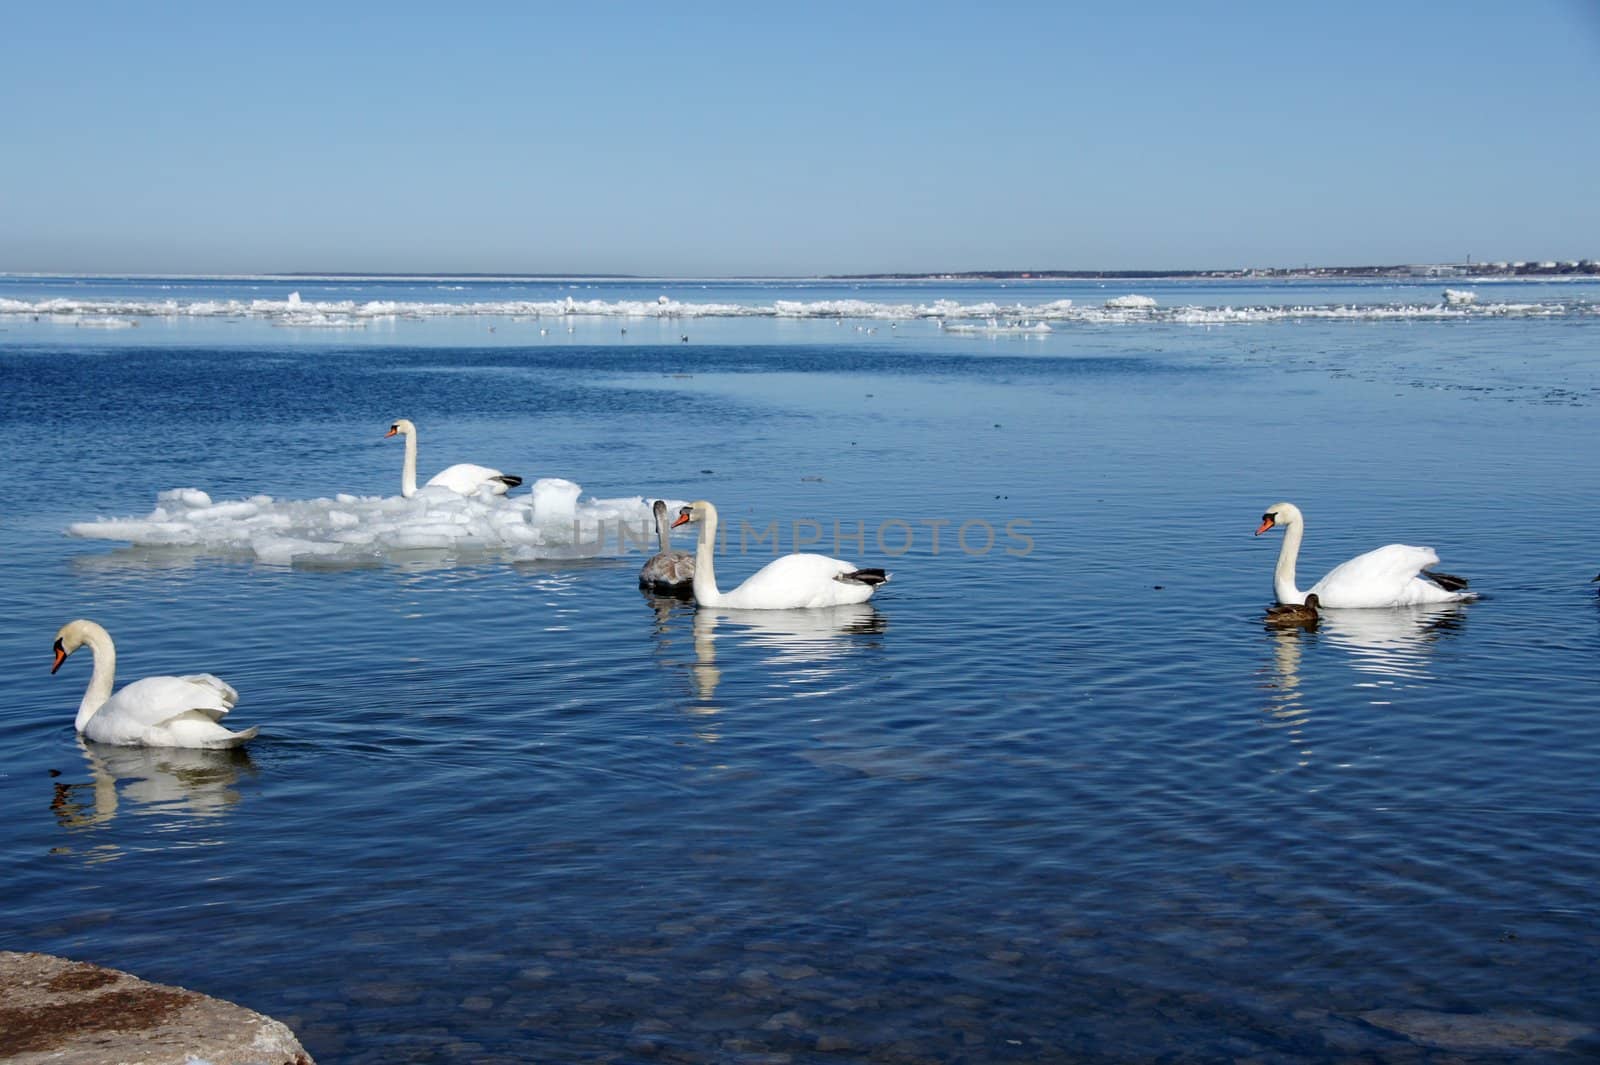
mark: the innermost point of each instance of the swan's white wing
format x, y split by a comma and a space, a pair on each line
195, 731
466, 478
156, 703
1387, 576
226, 693
796, 581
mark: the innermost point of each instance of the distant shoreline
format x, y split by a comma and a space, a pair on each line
1582, 268
1465, 271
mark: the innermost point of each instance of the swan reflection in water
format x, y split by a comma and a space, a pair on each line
1392, 644
802, 646
180, 781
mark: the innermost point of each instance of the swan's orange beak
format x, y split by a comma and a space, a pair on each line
683, 518
61, 656
1266, 523
390, 433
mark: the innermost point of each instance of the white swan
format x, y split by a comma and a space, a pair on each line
153, 712
667, 570
787, 583
1396, 575
464, 477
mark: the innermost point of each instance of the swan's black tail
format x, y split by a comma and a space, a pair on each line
1446, 581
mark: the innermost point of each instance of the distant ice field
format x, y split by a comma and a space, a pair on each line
555, 310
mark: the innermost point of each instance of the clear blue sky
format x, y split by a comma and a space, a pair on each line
691, 140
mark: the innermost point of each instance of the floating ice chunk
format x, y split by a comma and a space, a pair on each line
415, 539
285, 550
189, 497
996, 327
552, 522
1456, 297
554, 499
225, 511
1131, 303
152, 532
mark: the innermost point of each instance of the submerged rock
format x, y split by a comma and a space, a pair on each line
73, 1013
1481, 1031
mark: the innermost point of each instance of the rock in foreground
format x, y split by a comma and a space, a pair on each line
72, 1013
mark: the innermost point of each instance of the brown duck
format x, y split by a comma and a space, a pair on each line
1293, 613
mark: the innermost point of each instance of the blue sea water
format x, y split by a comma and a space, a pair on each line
1061, 797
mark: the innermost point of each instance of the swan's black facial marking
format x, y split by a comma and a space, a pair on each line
61, 655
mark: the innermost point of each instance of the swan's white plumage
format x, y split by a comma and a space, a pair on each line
798, 581
464, 478
153, 712
1386, 577
789, 583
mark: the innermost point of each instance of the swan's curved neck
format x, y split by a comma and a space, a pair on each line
705, 578
663, 532
1283, 586
101, 680
408, 473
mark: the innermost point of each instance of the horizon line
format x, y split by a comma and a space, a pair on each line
1586, 266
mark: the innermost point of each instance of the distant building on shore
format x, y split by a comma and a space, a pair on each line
1546, 268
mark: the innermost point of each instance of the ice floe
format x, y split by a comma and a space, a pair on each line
1133, 308
999, 327
550, 522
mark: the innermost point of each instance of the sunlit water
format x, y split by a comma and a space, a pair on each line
1059, 798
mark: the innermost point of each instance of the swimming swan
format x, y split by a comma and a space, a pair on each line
1396, 575
787, 583
464, 477
667, 570
153, 712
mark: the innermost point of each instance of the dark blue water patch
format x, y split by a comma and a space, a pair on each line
242, 386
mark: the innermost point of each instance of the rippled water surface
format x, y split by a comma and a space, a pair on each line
1061, 797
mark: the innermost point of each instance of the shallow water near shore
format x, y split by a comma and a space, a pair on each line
1054, 794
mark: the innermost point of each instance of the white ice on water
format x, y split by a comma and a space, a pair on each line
1132, 308
996, 327
1386, 312
550, 522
